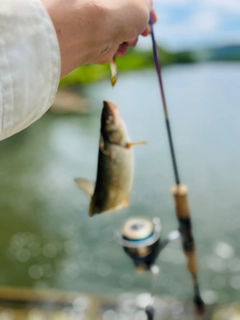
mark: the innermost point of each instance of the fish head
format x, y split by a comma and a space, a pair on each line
113, 127
111, 118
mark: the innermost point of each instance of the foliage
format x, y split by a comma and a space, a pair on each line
134, 60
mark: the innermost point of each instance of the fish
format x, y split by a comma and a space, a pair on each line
115, 169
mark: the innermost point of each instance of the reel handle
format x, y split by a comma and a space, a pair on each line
180, 193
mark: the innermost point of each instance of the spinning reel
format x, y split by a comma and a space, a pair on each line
141, 241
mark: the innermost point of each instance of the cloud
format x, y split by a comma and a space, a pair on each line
203, 22
173, 2
225, 6
196, 27
187, 23
232, 6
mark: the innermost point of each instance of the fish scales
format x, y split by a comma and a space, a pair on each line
114, 176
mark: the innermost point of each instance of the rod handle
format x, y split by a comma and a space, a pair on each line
181, 201
180, 193
191, 261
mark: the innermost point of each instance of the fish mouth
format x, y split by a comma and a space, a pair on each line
109, 107
110, 115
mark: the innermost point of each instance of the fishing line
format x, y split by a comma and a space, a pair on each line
155, 270
169, 133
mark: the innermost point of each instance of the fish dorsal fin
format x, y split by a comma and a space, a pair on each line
86, 185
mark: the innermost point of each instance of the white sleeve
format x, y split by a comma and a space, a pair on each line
29, 64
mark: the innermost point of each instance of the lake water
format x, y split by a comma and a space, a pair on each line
47, 239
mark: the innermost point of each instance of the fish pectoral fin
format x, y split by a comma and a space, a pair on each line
86, 185
127, 201
102, 148
129, 145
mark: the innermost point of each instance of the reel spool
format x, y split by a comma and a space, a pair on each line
140, 239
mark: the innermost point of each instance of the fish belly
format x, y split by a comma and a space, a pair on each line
114, 179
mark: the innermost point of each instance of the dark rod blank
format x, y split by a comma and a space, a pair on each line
180, 193
158, 68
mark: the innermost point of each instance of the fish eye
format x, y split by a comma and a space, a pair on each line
109, 119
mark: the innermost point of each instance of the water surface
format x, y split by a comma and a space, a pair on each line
48, 241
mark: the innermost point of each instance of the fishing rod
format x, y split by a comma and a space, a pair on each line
140, 238
179, 192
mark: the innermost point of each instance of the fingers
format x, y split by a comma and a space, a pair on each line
123, 48
133, 42
148, 30
154, 16
125, 43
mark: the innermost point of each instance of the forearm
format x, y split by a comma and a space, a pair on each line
76, 25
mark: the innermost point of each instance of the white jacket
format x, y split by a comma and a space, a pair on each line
29, 64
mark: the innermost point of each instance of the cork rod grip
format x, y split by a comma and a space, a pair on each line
181, 202
191, 261
183, 213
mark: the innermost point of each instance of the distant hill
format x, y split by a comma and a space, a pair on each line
223, 53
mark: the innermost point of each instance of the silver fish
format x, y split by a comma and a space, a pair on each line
115, 165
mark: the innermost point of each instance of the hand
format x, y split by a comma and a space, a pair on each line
93, 31
123, 48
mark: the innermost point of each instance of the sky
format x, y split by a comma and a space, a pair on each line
190, 24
